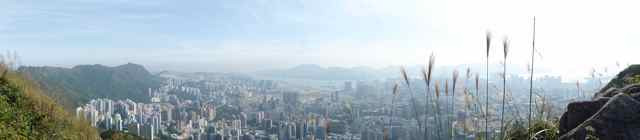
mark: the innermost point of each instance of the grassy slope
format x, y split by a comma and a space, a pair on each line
25, 113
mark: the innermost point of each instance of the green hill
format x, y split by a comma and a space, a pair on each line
25, 113
82, 83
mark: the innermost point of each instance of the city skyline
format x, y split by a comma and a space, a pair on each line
319, 69
247, 36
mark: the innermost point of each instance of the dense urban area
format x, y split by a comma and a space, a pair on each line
217, 106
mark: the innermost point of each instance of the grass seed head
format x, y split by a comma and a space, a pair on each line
446, 87
488, 42
477, 81
437, 89
455, 79
396, 88
432, 59
425, 77
505, 45
404, 76
468, 74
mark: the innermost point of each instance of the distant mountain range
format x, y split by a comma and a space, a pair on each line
77, 85
316, 72
82, 83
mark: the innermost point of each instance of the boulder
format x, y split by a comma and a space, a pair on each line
613, 113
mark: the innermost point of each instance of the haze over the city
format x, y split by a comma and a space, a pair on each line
247, 36
319, 69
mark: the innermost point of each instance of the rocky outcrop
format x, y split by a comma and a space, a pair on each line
618, 82
612, 114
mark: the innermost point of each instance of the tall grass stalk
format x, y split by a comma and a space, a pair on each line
426, 75
533, 49
476, 105
439, 123
395, 93
486, 113
447, 118
467, 102
427, 133
466, 111
447, 106
453, 102
580, 95
505, 45
413, 99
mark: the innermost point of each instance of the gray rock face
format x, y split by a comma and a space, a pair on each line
618, 119
613, 114
577, 113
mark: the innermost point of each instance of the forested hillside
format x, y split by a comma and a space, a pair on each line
81, 83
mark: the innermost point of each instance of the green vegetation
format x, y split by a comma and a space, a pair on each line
118, 135
79, 84
633, 79
230, 112
540, 128
25, 113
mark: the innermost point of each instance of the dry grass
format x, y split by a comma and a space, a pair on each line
426, 76
405, 77
476, 99
580, 94
473, 102
437, 109
533, 49
486, 117
467, 101
395, 92
454, 78
505, 45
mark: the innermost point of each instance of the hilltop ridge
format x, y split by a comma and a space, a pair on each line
84, 82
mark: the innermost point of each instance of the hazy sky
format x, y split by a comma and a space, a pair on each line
573, 36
